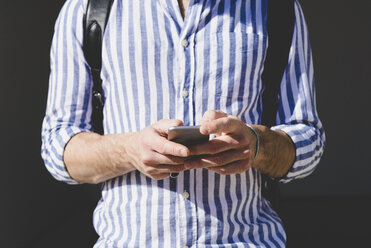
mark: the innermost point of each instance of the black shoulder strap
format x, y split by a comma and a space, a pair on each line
280, 25
95, 22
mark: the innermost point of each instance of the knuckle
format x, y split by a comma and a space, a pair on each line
177, 160
213, 148
172, 149
245, 165
218, 160
143, 142
162, 121
177, 122
145, 158
177, 169
210, 115
227, 123
162, 148
147, 170
197, 163
243, 139
152, 171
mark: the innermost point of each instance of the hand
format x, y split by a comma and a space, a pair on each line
154, 155
233, 149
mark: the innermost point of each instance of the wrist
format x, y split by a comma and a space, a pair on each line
257, 143
117, 150
276, 152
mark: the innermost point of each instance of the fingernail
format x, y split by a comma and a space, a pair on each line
205, 129
183, 152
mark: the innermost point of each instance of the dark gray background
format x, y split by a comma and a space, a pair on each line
331, 207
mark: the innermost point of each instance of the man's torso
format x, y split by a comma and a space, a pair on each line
157, 64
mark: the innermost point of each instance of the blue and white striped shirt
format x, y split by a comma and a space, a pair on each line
157, 65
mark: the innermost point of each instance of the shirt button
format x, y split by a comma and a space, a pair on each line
184, 93
185, 43
185, 195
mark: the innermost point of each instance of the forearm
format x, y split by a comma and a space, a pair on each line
276, 152
94, 158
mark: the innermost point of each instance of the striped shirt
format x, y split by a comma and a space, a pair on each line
157, 65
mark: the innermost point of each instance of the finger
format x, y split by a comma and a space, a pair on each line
154, 158
211, 115
162, 126
224, 125
160, 176
214, 146
161, 145
218, 159
163, 169
236, 167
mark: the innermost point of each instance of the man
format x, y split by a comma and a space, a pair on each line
168, 63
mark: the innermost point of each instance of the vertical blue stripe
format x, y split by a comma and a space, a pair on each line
120, 53
115, 89
219, 55
206, 65
232, 59
254, 56
107, 186
64, 66
229, 204
206, 204
148, 214
160, 214
137, 206
147, 98
188, 208
133, 68
242, 81
157, 47
173, 206
219, 209
75, 67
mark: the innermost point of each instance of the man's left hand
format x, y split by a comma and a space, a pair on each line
233, 149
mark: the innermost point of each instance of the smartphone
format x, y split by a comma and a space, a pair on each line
186, 135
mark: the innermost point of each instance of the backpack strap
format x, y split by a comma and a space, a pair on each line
95, 22
280, 25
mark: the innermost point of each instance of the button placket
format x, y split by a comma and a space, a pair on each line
185, 43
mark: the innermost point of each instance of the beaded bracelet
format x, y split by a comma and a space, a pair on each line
257, 140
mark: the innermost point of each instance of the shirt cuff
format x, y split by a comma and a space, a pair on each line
308, 147
53, 148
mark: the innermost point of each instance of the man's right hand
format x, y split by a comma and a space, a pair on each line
153, 154
94, 158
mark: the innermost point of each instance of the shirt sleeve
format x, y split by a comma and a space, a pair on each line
297, 115
68, 110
